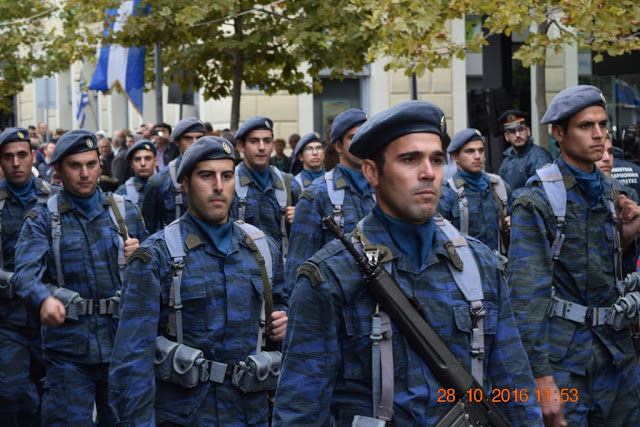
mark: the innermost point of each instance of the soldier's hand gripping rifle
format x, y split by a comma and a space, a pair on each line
425, 341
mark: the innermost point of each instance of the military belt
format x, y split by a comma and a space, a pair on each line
216, 372
594, 316
88, 306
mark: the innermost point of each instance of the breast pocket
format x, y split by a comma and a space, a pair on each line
193, 298
464, 323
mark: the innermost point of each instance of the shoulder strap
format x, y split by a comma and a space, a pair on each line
283, 195
117, 213
336, 197
132, 193
499, 191
177, 188
553, 184
241, 192
469, 282
173, 240
463, 205
56, 234
299, 180
611, 199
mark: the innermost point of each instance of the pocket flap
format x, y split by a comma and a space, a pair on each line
185, 357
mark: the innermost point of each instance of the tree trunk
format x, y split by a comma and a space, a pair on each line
236, 90
541, 96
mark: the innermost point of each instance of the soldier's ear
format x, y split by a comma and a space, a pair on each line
185, 184
370, 172
558, 132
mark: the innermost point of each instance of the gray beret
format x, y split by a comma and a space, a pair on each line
254, 123
389, 125
190, 124
74, 142
14, 135
463, 137
570, 101
205, 148
143, 144
345, 121
310, 137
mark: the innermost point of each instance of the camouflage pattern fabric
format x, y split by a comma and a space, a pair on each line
159, 205
584, 274
140, 188
327, 350
88, 252
262, 209
306, 177
516, 169
222, 299
484, 211
308, 233
21, 357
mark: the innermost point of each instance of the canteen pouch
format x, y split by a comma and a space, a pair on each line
259, 372
362, 421
70, 299
163, 358
7, 288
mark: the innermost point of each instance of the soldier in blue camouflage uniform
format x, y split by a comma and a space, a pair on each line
310, 151
262, 183
222, 295
91, 247
561, 303
327, 367
523, 157
485, 215
159, 207
142, 159
20, 359
308, 234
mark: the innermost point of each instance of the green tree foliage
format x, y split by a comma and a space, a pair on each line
218, 46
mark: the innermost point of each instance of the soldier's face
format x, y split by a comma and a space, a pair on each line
257, 148
408, 187
79, 173
605, 164
582, 144
518, 137
342, 147
312, 156
210, 190
187, 139
16, 160
470, 157
143, 163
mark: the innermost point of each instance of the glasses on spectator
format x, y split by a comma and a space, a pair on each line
310, 149
521, 129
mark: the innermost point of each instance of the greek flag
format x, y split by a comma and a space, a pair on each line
83, 101
118, 64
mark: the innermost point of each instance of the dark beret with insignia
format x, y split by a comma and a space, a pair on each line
463, 137
512, 119
570, 101
345, 121
14, 135
205, 148
190, 124
254, 123
389, 125
143, 144
74, 142
310, 137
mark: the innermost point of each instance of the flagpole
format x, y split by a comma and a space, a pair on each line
158, 64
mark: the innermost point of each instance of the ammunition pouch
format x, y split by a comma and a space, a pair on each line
7, 288
625, 311
76, 306
362, 421
259, 372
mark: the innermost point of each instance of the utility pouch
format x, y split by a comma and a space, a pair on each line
259, 372
7, 288
179, 364
362, 421
163, 358
74, 304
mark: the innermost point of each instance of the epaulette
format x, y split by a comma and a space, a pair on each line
306, 195
311, 271
522, 200
140, 253
31, 214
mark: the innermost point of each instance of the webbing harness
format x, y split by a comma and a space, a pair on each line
177, 187
132, 193
336, 195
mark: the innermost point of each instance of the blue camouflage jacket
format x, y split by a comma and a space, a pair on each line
140, 188
159, 205
13, 313
308, 233
517, 168
583, 274
89, 258
222, 299
263, 210
484, 209
327, 350
306, 178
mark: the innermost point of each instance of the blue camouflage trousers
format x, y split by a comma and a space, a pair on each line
70, 390
21, 372
609, 393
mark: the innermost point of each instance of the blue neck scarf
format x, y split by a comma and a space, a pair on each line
357, 179
315, 174
143, 181
589, 182
414, 241
220, 235
474, 181
23, 194
262, 177
85, 204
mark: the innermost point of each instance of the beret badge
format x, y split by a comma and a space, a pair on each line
442, 122
266, 123
603, 98
478, 132
89, 143
20, 135
226, 148
147, 147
